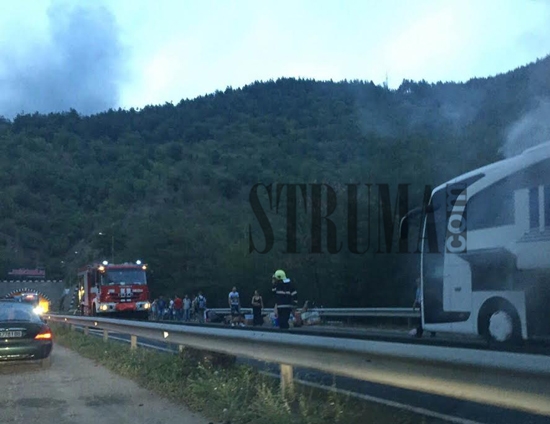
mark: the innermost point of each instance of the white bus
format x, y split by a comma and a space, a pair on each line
485, 255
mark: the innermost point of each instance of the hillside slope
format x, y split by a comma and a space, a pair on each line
171, 183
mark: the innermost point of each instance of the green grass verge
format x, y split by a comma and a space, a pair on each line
222, 391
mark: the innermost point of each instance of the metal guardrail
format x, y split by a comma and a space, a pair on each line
344, 312
338, 312
504, 379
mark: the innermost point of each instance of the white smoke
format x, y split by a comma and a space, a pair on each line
530, 130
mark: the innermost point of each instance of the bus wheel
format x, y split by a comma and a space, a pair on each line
501, 324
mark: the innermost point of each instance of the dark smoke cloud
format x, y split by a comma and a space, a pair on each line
80, 66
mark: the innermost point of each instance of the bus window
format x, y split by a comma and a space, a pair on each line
547, 206
493, 207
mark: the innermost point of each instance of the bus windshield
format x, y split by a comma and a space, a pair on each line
435, 224
124, 276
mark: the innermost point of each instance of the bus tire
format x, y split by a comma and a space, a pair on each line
499, 323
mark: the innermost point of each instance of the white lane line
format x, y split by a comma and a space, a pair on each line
381, 401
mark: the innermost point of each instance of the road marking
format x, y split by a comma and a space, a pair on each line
381, 401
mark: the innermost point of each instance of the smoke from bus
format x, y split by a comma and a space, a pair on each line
532, 129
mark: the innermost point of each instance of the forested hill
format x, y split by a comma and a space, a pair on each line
171, 183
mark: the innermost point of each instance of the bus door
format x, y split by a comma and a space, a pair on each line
457, 287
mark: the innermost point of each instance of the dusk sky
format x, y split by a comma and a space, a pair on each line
92, 55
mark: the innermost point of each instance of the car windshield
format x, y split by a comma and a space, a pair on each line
124, 276
15, 311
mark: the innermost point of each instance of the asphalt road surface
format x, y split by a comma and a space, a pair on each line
77, 391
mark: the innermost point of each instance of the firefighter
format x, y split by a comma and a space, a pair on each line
286, 297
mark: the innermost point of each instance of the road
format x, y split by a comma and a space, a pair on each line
440, 408
77, 391
538, 347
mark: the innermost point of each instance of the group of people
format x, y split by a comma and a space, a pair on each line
257, 304
179, 308
285, 301
195, 308
285, 293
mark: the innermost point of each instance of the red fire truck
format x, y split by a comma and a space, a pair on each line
114, 290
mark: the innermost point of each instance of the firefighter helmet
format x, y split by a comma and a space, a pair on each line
279, 275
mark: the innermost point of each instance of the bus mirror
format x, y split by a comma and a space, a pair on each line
404, 223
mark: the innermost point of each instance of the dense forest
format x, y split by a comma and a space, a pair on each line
171, 185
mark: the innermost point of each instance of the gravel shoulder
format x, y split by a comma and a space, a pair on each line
75, 390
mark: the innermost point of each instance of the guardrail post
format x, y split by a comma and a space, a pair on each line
105, 335
287, 381
133, 342
181, 347
86, 330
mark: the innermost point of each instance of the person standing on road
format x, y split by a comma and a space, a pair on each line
235, 306
257, 306
201, 307
178, 308
193, 311
161, 305
171, 311
418, 303
286, 297
153, 314
186, 308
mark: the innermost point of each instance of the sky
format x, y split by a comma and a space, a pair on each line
94, 55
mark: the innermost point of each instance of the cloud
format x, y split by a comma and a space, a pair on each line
79, 65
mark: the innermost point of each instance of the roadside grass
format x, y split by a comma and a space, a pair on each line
212, 385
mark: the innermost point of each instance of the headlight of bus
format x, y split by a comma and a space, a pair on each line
38, 310
146, 305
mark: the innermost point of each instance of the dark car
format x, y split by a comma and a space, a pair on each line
23, 333
31, 298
